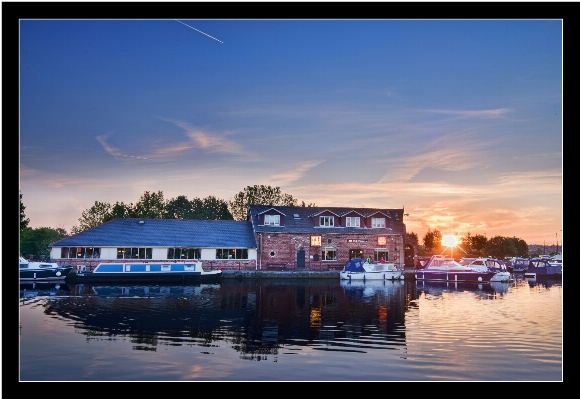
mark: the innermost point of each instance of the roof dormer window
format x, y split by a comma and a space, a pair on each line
272, 220
327, 221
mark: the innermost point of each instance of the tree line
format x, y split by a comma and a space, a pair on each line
478, 245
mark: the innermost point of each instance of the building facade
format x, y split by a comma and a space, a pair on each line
323, 237
271, 238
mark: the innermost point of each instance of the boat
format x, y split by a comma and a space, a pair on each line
442, 268
542, 268
518, 265
556, 260
155, 272
491, 264
359, 269
42, 271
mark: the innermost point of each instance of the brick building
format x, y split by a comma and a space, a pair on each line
325, 237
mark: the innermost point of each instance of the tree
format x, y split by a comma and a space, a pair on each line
432, 240
412, 239
311, 205
35, 242
23, 219
258, 195
503, 247
213, 208
119, 211
179, 208
150, 206
93, 217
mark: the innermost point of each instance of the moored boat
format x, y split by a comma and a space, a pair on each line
441, 268
518, 265
359, 269
42, 271
147, 272
542, 268
494, 265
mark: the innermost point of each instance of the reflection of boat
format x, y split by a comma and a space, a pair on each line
542, 268
358, 269
30, 289
438, 287
370, 288
42, 271
155, 272
441, 268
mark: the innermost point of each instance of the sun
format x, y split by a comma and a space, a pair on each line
449, 241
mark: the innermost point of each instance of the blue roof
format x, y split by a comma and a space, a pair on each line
165, 233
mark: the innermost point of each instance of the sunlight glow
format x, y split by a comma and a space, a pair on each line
449, 241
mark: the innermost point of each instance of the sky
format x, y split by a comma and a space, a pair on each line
459, 122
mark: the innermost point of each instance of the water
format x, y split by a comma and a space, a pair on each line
292, 330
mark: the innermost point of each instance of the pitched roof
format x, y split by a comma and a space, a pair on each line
165, 233
305, 223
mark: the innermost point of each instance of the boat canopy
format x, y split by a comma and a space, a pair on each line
355, 265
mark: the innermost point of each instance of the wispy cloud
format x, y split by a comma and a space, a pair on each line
294, 173
486, 113
114, 151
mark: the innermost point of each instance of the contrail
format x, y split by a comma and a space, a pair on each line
199, 31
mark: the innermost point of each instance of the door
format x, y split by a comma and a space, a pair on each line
300, 259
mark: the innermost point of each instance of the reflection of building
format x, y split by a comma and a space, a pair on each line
253, 319
272, 237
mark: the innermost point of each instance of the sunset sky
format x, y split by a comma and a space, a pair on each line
457, 121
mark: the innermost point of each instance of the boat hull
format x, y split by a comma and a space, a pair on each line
363, 276
467, 277
174, 277
46, 274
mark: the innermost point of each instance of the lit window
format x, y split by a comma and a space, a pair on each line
352, 221
231, 253
328, 254
378, 222
327, 221
183, 253
273, 220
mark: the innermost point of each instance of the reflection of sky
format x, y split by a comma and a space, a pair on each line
460, 122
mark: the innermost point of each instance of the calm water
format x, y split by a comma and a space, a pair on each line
315, 330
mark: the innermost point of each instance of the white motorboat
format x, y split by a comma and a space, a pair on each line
359, 269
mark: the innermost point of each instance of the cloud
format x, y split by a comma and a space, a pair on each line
295, 173
486, 113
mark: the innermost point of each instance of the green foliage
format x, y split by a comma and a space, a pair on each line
432, 240
150, 206
93, 217
23, 219
258, 195
502, 247
412, 239
34, 242
473, 244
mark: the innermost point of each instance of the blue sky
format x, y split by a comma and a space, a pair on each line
457, 121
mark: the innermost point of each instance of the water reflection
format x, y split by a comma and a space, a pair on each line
311, 330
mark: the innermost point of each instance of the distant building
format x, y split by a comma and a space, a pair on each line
272, 237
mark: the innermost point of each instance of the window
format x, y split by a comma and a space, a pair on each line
134, 253
378, 222
273, 220
327, 221
329, 254
183, 253
231, 253
381, 253
79, 252
352, 221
